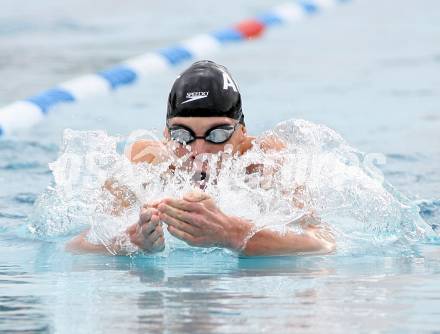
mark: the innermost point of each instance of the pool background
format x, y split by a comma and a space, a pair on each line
368, 69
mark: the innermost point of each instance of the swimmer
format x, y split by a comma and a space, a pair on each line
204, 116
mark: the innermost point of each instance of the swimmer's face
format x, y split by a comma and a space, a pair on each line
200, 126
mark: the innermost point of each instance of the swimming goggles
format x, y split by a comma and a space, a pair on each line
216, 135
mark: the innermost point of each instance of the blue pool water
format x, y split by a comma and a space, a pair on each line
368, 69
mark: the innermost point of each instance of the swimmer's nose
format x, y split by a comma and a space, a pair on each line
198, 147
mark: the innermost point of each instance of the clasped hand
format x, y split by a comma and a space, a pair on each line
195, 219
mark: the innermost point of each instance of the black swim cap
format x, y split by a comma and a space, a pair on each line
205, 89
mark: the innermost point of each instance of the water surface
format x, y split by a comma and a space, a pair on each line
366, 69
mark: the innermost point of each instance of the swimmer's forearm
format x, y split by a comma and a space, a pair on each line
268, 243
80, 245
124, 198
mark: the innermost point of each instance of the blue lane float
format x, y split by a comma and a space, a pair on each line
51, 97
28, 112
118, 76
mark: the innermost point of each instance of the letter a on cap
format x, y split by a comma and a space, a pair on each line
227, 82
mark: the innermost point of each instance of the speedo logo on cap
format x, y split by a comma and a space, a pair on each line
193, 96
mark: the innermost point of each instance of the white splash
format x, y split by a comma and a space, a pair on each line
316, 172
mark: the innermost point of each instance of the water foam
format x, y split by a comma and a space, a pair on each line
317, 172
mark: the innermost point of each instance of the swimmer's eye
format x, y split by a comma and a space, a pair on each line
181, 135
216, 135
220, 135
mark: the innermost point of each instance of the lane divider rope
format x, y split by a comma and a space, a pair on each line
28, 112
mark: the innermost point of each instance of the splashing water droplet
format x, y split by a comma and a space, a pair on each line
316, 171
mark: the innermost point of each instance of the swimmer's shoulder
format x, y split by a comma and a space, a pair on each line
145, 151
266, 143
271, 142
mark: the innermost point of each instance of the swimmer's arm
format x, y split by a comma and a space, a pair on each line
142, 151
146, 235
80, 245
198, 221
268, 242
123, 197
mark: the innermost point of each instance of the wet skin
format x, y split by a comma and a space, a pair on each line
195, 218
